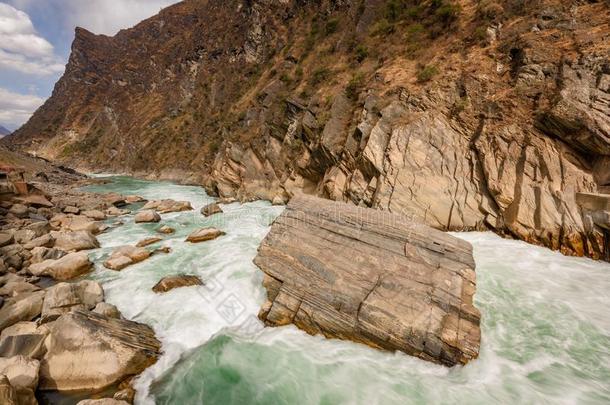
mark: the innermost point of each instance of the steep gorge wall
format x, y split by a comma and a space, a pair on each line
466, 115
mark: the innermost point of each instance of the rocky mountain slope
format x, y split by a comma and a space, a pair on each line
469, 114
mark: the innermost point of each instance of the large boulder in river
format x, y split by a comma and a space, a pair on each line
203, 235
372, 277
76, 223
88, 351
68, 267
147, 216
75, 241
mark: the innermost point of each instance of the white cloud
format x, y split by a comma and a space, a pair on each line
21, 48
17, 108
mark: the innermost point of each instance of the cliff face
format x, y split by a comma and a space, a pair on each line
466, 114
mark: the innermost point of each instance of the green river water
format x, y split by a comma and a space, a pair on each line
545, 323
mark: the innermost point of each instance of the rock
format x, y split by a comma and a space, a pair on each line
103, 401
71, 210
126, 256
40, 254
163, 249
75, 241
21, 371
371, 277
116, 212
128, 395
76, 223
88, 351
6, 239
8, 394
94, 214
23, 236
211, 209
166, 206
169, 283
278, 200
204, 234
132, 199
147, 216
68, 267
42, 241
166, 230
15, 288
19, 210
37, 200
65, 297
24, 307
25, 339
108, 310
148, 241
40, 228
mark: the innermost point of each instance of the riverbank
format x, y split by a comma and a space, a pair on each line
544, 321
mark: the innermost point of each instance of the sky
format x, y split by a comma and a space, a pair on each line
35, 40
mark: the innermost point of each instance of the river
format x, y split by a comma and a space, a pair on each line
545, 323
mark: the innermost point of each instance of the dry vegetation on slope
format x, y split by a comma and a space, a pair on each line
465, 114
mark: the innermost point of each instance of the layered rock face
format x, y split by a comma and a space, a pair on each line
465, 115
372, 277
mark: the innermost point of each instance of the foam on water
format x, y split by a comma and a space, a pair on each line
545, 324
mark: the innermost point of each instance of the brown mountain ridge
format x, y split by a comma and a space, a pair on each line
467, 115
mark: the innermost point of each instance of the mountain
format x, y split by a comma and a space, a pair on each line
467, 115
4, 131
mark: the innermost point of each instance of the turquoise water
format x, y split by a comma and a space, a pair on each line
545, 325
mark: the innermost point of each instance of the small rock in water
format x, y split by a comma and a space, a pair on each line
166, 230
167, 206
128, 394
211, 209
169, 283
204, 234
126, 256
148, 241
164, 249
131, 199
147, 216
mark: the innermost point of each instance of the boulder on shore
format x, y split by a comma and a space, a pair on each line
68, 267
204, 234
75, 241
169, 283
211, 209
89, 351
23, 307
65, 297
147, 216
372, 277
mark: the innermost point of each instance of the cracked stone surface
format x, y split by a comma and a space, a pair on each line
371, 277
